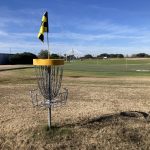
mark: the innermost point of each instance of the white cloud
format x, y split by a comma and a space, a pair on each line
92, 37
66, 48
107, 26
91, 49
3, 33
83, 36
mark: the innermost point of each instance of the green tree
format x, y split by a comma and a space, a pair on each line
22, 58
88, 56
43, 54
142, 55
103, 55
54, 56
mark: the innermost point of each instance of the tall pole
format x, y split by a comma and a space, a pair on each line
49, 96
49, 117
49, 76
48, 46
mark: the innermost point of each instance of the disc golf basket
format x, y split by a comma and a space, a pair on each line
49, 94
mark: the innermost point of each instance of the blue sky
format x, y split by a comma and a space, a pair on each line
86, 26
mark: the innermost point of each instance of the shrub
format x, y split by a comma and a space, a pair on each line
22, 58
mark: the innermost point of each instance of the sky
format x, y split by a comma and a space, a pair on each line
79, 26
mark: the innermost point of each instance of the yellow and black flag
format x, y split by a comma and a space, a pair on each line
44, 26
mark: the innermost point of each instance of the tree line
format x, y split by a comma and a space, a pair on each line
106, 55
27, 57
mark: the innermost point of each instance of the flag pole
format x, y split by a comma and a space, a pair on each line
49, 72
48, 46
48, 37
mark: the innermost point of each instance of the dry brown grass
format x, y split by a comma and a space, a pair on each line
92, 118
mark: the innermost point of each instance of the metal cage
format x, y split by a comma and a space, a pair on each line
49, 94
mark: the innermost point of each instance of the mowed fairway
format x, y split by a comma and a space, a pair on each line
108, 108
109, 67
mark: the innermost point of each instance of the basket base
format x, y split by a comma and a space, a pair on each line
58, 101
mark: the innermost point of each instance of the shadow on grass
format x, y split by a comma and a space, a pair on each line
127, 114
98, 122
111, 118
130, 128
76, 76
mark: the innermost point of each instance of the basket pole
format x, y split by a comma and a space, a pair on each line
50, 98
49, 117
49, 72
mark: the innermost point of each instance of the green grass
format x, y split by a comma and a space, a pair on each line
18, 76
86, 68
108, 68
113, 61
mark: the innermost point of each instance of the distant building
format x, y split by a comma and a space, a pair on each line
4, 58
105, 57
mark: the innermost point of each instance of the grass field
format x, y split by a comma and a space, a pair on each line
107, 108
109, 67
